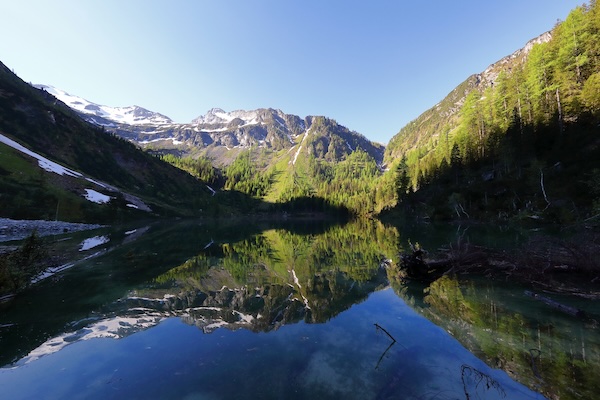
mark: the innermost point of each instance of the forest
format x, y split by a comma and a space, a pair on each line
523, 143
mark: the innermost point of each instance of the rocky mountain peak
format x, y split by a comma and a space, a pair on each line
217, 132
490, 75
220, 116
106, 115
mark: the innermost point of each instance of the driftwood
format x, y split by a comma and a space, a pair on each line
379, 327
457, 259
393, 342
556, 265
418, 268
556, 305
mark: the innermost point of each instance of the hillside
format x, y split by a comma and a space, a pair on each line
102, 178
505, 142
518, 140
438, 124
309, 164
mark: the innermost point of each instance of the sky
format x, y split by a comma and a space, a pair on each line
373, 66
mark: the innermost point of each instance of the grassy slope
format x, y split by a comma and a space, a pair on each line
37, 121
26, 191
281, 168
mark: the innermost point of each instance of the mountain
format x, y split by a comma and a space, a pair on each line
218, 134
54, 165
263, 153
104, 115
518, 140
428, 128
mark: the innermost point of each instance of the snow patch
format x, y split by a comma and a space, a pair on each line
244, 317
215, 325
213, 130
96, 197
97, 183
306, 133
296, 281
296, 155
43, 162
219, 116
51, 271
173, 140
92, 242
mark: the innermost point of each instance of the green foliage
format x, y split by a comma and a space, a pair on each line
402, 179
328, 270
590, 93
244, 176
511, 336
536, 116
354, 183
37, 121
200, 167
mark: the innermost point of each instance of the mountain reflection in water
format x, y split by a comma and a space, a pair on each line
277, 312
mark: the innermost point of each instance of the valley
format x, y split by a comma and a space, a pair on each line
255, 253
473, 156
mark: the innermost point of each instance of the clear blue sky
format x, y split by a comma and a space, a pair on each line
371, 65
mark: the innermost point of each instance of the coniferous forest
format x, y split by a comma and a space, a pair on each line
524, 140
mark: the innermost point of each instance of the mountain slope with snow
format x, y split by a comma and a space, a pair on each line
54, 165
218, 134
106, 115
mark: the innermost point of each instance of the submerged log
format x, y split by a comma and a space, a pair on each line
556, 305
417, 268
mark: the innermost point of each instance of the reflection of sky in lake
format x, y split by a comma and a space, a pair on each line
337, 359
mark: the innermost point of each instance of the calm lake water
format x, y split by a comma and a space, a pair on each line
226, 310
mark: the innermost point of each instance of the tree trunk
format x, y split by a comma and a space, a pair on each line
560, 116
520, 116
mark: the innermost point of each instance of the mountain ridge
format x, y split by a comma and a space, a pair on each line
441, 118
209, 134
96, 113
218, 132
280, 157
104, 174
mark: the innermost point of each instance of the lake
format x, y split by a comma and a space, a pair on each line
284, 310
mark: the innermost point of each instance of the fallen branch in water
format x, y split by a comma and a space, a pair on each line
556, 305
384, 353
384, 331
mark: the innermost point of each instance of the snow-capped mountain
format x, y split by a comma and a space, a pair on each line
219, 116
217, 132
106, 115
240, 117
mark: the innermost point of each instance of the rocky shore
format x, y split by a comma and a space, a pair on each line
11, 229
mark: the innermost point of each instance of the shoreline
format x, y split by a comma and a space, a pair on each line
12, 229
